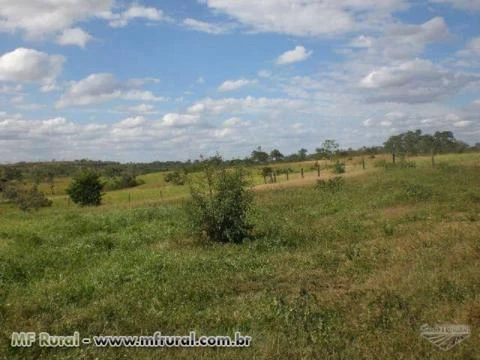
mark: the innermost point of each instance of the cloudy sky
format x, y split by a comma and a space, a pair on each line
167, 79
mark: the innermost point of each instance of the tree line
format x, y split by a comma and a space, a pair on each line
410, 143
19, 182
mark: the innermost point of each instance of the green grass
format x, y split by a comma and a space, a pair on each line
345, 275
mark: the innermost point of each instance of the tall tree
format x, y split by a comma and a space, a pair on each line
302, 153
276, 155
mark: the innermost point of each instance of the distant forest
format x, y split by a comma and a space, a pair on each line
410, 143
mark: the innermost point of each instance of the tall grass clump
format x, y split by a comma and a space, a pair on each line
331, 185
220, 205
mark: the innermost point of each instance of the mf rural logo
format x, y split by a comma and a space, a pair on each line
445, 336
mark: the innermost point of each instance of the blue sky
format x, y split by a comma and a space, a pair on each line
165, 80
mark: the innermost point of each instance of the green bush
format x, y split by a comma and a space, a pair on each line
175, 178
123, 182
266, 171
220, 205
339, 168
86, 189
331, 185
26, 200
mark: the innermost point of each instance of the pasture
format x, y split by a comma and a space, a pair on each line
350, 274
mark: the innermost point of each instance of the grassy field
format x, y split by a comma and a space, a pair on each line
345, 275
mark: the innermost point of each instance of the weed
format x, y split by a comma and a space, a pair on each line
331, 185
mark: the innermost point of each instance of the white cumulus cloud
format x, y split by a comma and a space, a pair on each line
42, 17
179, 120
293, 56
414, 81
231, 85
206, 27
131, 122
29, 66
74, 36
135, 11
102, 87
306, 17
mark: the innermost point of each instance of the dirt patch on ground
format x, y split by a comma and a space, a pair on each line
310, 179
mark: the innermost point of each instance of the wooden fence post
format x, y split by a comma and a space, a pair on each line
301, 171
287, 174
363, 163
318, 170
274, 176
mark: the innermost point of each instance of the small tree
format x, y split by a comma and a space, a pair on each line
86, 189
330, 148
220, 204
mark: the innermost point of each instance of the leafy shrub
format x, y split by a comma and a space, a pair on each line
267, 171
86, 189
175, 178
331, 185
339, 168
220, 204
26, 200
123, 182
